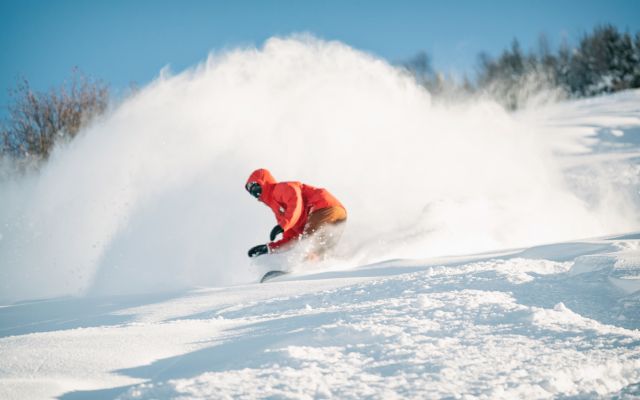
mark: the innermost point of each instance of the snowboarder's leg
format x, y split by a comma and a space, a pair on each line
324, 228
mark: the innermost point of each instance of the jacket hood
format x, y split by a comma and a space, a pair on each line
262, 177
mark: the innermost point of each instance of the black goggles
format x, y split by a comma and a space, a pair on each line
254, 188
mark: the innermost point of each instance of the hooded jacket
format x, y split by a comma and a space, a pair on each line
291, 202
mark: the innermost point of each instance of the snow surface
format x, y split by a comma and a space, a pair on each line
554, 320
542, 322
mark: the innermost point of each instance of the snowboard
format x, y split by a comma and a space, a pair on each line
271, 275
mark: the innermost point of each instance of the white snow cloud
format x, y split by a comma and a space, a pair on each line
151, 197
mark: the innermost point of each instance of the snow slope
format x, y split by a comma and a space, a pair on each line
554, 320
548, 321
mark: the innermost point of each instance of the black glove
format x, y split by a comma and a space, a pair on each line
275, 232
258, 250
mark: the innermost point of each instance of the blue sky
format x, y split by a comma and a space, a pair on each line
130, 41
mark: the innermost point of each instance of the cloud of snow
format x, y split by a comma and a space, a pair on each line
151, 197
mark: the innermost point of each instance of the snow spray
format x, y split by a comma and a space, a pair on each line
151, 197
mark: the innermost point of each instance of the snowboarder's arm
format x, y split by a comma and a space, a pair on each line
275, 232
289, 195
281, 244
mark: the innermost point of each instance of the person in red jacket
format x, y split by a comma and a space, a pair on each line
302, 211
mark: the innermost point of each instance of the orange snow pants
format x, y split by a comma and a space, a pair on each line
325, 227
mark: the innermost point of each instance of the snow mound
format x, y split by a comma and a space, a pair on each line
622, 268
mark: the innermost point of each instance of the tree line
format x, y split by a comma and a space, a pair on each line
603, 61
39, 120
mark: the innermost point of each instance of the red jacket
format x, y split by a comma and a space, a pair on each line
291, 202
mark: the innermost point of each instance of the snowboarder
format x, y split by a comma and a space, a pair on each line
302, 212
